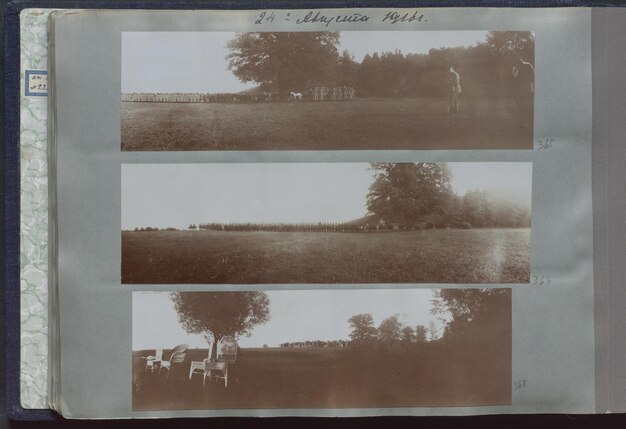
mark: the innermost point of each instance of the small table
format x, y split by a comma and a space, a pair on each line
153, 364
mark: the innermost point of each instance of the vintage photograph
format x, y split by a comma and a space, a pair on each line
343, 90
321, 349
294, 223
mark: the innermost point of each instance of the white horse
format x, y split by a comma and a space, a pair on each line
296, 96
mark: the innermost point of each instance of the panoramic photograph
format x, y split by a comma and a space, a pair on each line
295, 223
321, 349
190, 91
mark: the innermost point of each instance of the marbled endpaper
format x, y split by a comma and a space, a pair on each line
34, 215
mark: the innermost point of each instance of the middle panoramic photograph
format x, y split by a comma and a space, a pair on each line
324, 223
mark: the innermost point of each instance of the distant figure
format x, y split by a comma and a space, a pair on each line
324, 93
454, 85
524, 87
316, 93
352, 93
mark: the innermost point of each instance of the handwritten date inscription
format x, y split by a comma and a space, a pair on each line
395, 17
325, 18
317, 17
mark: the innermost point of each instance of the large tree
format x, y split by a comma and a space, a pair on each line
346, 70
390, 330
218, 314
405, 193
475, 315
284, 61
363, 329
512, 43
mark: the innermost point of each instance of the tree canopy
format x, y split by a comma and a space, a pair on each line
414, 194
408, 334
283, 61
511, 43
476, 319
390, 333
481, 209
221, 313
474, 312
390, 330
406, 192
363, 329
295, 61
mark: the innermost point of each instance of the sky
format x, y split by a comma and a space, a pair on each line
177, 195
294, 316
196, 61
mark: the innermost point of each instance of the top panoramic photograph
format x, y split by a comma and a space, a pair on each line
349, 90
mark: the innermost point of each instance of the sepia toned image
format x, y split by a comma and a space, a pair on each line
343, 90
294, 223
321, 349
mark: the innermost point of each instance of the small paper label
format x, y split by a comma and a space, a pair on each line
36, 83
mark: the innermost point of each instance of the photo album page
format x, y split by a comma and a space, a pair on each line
337, 212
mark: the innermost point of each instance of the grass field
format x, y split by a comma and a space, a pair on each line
427, 256
357, 124
333, 378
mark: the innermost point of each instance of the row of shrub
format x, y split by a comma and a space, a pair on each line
311, 227
315, 343
323, 227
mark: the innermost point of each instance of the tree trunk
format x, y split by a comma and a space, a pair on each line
214, 348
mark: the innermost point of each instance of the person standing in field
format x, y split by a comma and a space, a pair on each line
454, 86
524, 77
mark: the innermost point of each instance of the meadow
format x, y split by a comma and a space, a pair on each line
333, 377
425, 256
305, 125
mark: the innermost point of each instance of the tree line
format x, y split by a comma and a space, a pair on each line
315, 343
468, 316
296, 61
353, 226
390, 332
478, 317
154, 229
419, 195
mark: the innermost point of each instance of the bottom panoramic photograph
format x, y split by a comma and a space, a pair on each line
321, 349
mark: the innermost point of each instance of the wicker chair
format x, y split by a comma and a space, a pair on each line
176, 358
226, 355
